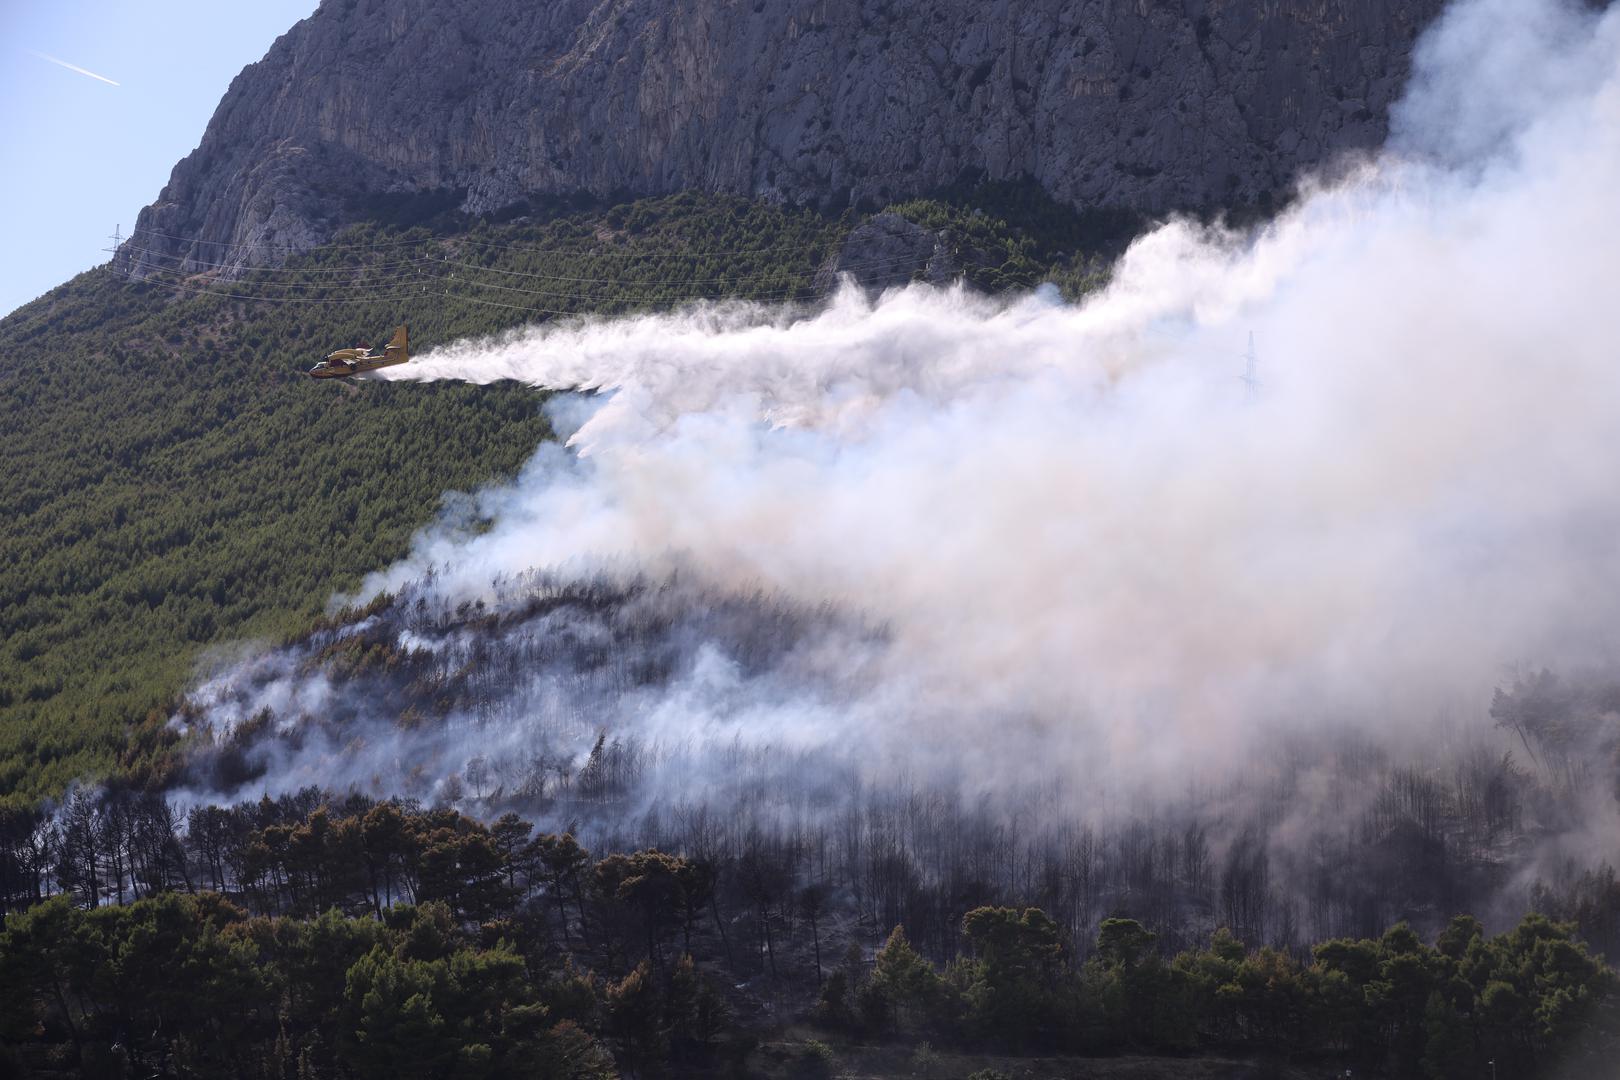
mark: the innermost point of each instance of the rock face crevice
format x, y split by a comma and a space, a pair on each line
1149, 104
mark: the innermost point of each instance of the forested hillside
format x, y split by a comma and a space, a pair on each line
170, 481
382, 940
174, 484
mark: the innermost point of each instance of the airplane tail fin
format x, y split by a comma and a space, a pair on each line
399, 347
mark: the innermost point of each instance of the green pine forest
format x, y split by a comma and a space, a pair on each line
377, 940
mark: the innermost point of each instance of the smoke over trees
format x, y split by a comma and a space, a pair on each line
619, 709
1080, 699
505, 951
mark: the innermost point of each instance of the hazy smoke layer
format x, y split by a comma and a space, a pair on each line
1024, 541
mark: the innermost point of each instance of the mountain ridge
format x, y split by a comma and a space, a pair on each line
1156, 107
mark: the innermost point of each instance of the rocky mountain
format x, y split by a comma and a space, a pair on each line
1152, 105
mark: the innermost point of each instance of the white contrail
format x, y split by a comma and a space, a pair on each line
73, 67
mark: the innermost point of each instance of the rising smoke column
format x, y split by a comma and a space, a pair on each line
1091, 554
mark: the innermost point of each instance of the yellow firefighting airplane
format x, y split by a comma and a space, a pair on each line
346, 362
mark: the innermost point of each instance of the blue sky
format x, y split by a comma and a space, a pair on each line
79, 155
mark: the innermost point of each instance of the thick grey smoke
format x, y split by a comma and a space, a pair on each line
1066, 544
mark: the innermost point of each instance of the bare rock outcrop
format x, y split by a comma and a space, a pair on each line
887, 250
1152, 105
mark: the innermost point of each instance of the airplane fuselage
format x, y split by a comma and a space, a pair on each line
346, 362
342, 369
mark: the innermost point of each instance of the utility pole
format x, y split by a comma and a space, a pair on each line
1251, 369
116, 239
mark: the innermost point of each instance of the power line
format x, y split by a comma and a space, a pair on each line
461, 280
1251, 370
891, 263
786, 292
401, 288
809, 295
472, 241
726, 280
782, 294
365, 286
201, 291
612, 280
261, 269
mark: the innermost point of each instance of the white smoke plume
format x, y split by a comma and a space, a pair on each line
1081, 550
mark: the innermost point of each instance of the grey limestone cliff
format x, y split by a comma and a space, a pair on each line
1149, 104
